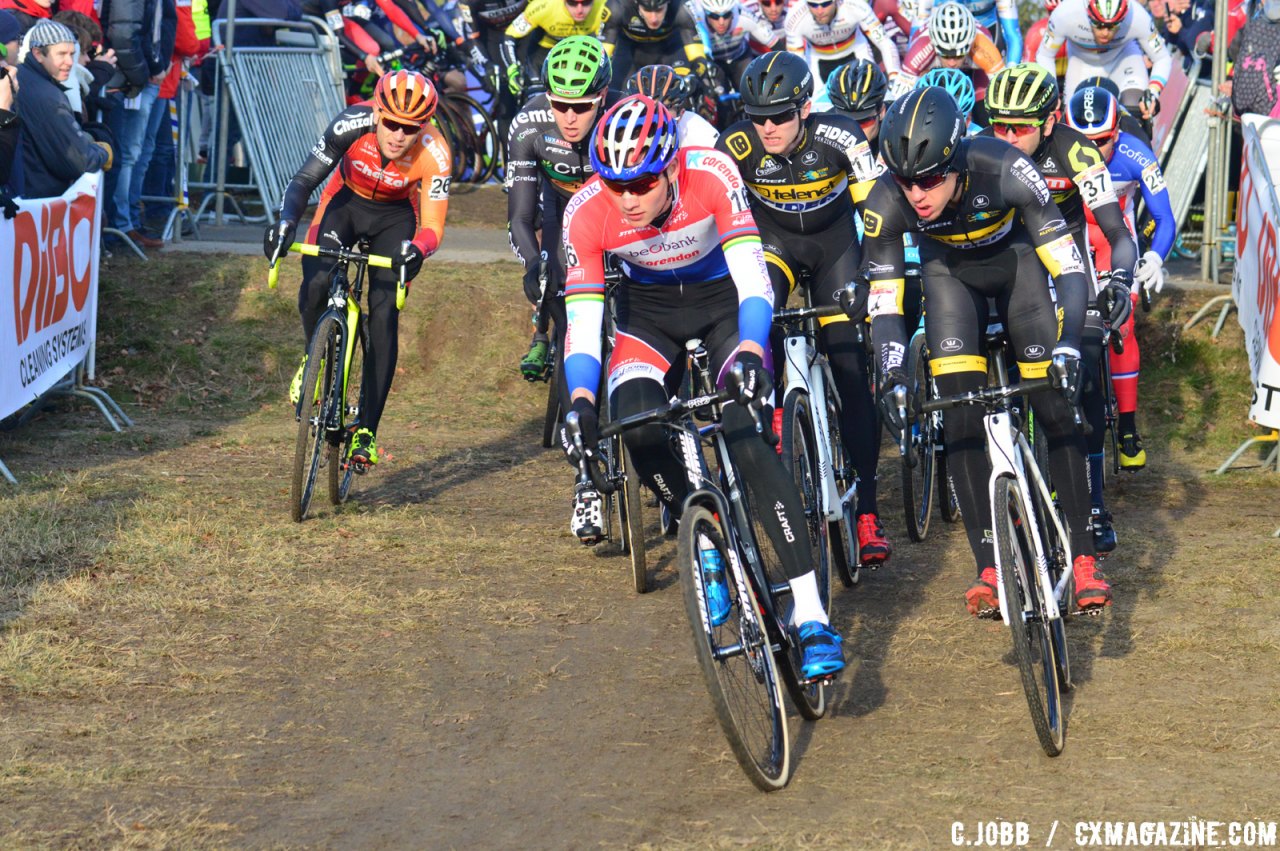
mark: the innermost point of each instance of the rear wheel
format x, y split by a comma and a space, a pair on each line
736, 657
315, 414
800, 457
918, 479
1034, 646
341, 473
551, 419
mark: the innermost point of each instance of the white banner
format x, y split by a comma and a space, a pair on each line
1256, 283
48, 317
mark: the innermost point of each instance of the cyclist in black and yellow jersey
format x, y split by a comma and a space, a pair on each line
989, 230
857, 89
651, 32
536, 30
804, 171
1022, 105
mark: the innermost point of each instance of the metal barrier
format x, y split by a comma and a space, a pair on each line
284, 97
1185, 160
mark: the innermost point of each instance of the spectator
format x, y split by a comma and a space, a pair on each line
10, 36
28, 12
159, 148
142, 34
8, 128
55, 152
1256, 52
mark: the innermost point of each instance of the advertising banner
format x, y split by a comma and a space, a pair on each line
1256, 282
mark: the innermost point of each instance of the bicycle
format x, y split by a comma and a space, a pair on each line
812, 448
1033, 551
739, 654
334, 374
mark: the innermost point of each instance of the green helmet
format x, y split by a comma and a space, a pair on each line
1022, 92
577, 67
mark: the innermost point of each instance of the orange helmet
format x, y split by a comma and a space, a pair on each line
406, 96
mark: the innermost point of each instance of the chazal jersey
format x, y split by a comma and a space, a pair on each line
806, 190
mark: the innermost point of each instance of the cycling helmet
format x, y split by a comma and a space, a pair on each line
664, 84
719, 7
921, 133
635, 138
1094, 112
956, 83
1107, 11
576, 67
858, 88
1024, 92
652, 5
952, 29
775, 82
1102, 83
406, 96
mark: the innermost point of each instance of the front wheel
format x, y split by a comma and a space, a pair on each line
736, 656
315, 414
632, 506
842, 533
1034, 646
353, 400
551, 419
919, 478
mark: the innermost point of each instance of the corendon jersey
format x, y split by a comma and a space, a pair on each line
853, 25
708, 235
350, 146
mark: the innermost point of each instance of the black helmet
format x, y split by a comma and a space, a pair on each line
774, 83
921, 133
664, 84
858, 88
652, 5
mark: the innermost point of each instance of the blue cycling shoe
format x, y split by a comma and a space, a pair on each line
821, 647
713, 581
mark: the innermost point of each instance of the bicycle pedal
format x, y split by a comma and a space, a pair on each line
358, 467
989, 615
829, 679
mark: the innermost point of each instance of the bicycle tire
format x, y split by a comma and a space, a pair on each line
800, 458
551, 418
484, 138
632, 509
918, 481
843, 532
1033, 644
309, 451
341, 474
736, 658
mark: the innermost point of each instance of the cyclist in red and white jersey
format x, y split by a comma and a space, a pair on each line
390, 183
952, 39
693, 268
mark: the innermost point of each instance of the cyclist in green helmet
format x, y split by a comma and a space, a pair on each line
548, 158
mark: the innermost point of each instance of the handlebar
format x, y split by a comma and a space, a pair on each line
345, 255
796, 315
989, 397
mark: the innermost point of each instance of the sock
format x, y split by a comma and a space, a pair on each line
804, 591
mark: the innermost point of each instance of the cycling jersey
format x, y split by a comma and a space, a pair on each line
350, 146
800, 192
694, 131
988, 14
983, 62
1031, 45
493, 14
778, 25
551, 20
708, 235
1077, 177
1134, 168
746, 26
631, 43
1136, 35
827, 45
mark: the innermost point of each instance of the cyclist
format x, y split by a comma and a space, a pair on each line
537, 29
547, 160
957, 84
390, 185
652, 32
999, 17
989, 229
775, 13
1095, 113
731, 28
692, 265
676, 92
829, 33
804, 171
857, 89
363, 36
1114, 39
1022, 103
952, 39
488, 20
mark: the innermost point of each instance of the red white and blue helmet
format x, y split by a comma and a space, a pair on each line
1094, 112
635, 138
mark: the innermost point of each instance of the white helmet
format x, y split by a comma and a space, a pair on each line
719, 7
952, 29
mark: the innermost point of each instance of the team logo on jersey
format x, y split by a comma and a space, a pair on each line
768, 166
1033, 352
1024, 171
739, 145
981, 201
951, 344
554, 142
814, 174
983, 216
809, 157
871, 223
1048, 165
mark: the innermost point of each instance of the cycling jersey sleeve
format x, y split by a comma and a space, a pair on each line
884, 264
583, 242
365, 43
743, 252
1144, 30
612, 30
411, 22
1053, 242
1093, 179
874, 31
1146, 170
350, 124
986, 55
690, 35
1007, 12
515, 40
433, 196
1051, 43
522, 185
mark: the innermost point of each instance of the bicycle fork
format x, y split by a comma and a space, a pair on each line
815, 374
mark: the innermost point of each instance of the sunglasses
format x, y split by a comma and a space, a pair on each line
933, 181
581, 4
406, 129
718, 16
639, 186
773, 2
813, 5
1002, 128
1099, 26
576, 107
778, 120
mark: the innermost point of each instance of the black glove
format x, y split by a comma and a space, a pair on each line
889, 411
589, 421
1150, 103
410, 259
1064, 372
1115, 302
853, 298
757, 385
278, 237
532, 282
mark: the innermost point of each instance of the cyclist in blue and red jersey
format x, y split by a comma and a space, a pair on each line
390, 184
693, 268
1095, 112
